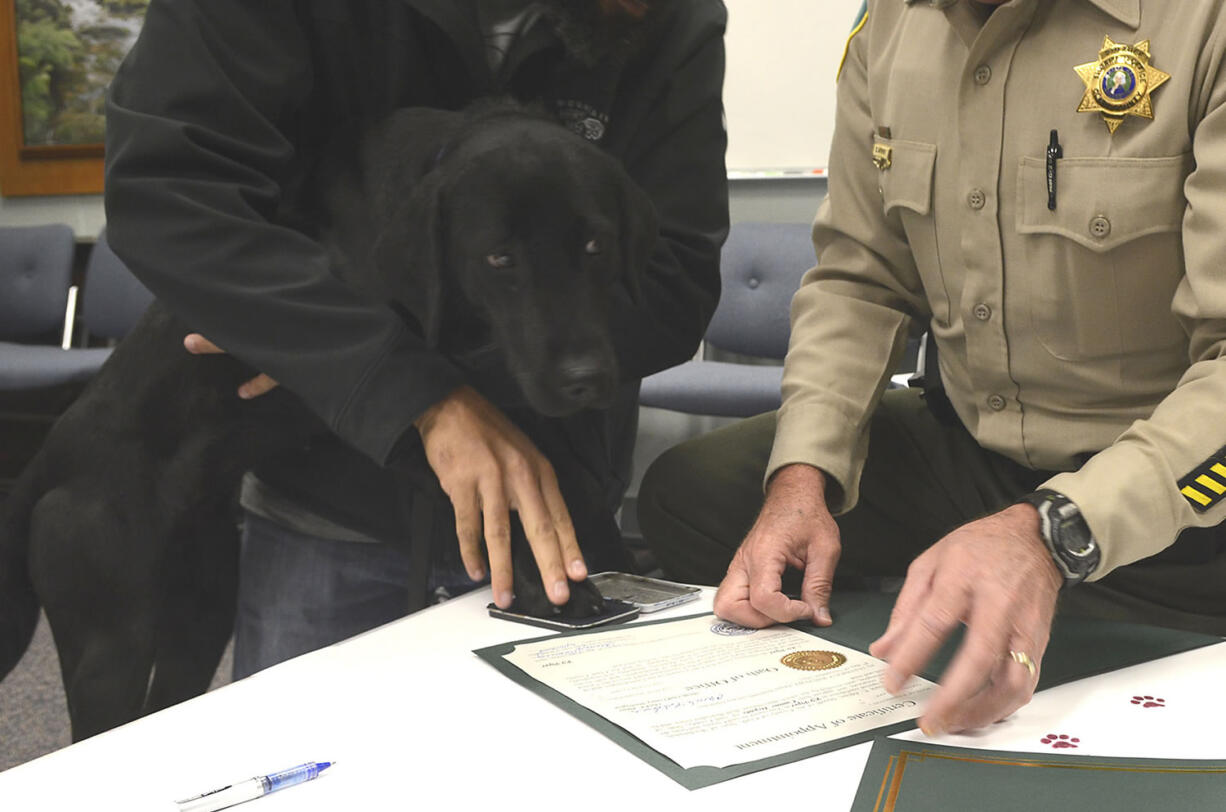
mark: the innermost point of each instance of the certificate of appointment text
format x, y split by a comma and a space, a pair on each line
705, 692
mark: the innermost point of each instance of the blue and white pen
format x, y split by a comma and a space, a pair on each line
252, 788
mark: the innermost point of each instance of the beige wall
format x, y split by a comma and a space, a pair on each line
82, 212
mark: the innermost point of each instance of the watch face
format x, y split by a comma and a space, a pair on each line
1067, 535
1071, 533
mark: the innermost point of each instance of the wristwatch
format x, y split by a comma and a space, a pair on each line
1066, 534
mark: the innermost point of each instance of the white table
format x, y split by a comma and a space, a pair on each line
414, 720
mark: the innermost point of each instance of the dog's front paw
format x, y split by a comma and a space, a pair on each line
585, 599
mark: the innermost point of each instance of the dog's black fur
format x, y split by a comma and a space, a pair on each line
494, 228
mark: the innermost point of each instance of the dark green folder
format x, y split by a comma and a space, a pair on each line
1079, 648
903, 776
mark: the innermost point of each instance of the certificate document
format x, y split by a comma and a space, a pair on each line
705, 692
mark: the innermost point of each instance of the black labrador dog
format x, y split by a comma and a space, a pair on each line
494, 229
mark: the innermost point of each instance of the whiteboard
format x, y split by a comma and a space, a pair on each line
779, 89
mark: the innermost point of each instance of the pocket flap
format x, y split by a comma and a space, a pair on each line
907, 182
1102, 203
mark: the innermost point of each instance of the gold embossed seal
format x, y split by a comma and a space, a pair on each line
813, 660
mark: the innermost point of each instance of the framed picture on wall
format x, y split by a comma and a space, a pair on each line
57, 58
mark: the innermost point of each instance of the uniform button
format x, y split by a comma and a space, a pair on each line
983, 75
753, 282
982, 312
976, 199
996, 402
1100, 227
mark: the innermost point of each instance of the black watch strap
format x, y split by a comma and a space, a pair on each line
1066, 534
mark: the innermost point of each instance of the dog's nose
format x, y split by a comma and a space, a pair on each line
584, 380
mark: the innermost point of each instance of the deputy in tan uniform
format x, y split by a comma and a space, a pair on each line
1042, 185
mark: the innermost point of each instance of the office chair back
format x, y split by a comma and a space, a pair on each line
761, 266
111, 302
112, 299
35, 272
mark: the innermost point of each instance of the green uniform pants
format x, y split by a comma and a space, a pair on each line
923, 478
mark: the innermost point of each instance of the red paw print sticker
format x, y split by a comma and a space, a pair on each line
1059, 741
1149, 701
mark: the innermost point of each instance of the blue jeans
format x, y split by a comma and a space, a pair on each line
298, 592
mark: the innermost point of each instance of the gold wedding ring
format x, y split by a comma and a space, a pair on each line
1022, 658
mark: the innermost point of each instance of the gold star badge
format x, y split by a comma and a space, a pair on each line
1120, 82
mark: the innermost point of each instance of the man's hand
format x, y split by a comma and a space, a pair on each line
197, 344
996, 576
794, 529
488, 467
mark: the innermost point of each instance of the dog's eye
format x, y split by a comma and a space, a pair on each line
593, 247
500, 260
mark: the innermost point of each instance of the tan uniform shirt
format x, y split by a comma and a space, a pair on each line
1083, 339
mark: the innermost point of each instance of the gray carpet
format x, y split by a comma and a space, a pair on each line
33, 716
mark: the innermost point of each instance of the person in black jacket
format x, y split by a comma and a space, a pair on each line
216, 116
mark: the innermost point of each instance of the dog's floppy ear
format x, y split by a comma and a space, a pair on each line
640, 230
404, 177
408, 255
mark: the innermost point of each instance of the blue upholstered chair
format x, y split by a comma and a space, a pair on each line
111, 301
35, 274
761, 266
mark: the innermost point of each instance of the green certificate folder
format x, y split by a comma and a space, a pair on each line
904, 776
1078, 648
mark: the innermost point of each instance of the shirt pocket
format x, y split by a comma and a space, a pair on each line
1101, 269
906, 191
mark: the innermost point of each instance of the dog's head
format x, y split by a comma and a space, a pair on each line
520, 234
